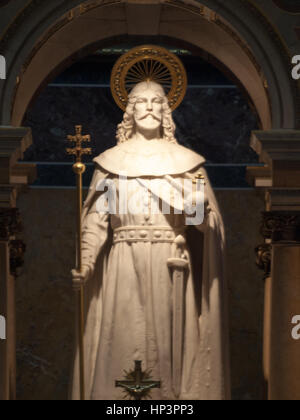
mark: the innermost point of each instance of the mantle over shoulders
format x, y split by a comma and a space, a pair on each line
149, 158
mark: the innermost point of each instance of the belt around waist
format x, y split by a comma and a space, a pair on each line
146, 234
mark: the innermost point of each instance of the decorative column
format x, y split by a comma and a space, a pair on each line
13, 177
280, 256
263, 261
284, 228
11, 257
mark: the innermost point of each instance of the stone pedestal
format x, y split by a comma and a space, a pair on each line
13, 178
280, 177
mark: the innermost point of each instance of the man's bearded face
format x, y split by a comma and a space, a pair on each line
148, 110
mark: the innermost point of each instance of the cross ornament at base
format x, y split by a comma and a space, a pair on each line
138, 384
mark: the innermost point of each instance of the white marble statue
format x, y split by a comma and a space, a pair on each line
128, 272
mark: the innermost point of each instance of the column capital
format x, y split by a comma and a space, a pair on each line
281, 227
10, 223
10, 226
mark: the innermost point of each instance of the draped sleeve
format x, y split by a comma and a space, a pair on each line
95, 223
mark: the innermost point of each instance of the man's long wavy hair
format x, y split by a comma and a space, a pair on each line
127, 127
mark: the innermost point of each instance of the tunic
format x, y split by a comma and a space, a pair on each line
129, 298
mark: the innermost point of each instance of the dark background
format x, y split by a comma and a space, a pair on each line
215, 119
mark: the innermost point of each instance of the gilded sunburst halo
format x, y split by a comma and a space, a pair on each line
149, 62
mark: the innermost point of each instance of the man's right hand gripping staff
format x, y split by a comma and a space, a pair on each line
80, 278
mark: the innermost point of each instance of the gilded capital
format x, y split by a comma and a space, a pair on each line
281, 226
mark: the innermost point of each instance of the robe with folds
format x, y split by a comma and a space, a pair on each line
129, 295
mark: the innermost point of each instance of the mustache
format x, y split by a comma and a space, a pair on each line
150, 114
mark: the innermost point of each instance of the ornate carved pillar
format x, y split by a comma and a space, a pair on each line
11, 256
13, 178
284, 361
280, 256
263, 261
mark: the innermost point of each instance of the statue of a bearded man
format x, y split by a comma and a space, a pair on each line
129, 255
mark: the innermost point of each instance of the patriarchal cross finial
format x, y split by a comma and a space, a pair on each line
78, 150
138, 384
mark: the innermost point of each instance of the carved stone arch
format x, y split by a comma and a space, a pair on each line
249, 47
270, 52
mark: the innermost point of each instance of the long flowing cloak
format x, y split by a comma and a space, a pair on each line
207, 250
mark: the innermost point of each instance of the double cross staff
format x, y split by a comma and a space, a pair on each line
79, 168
